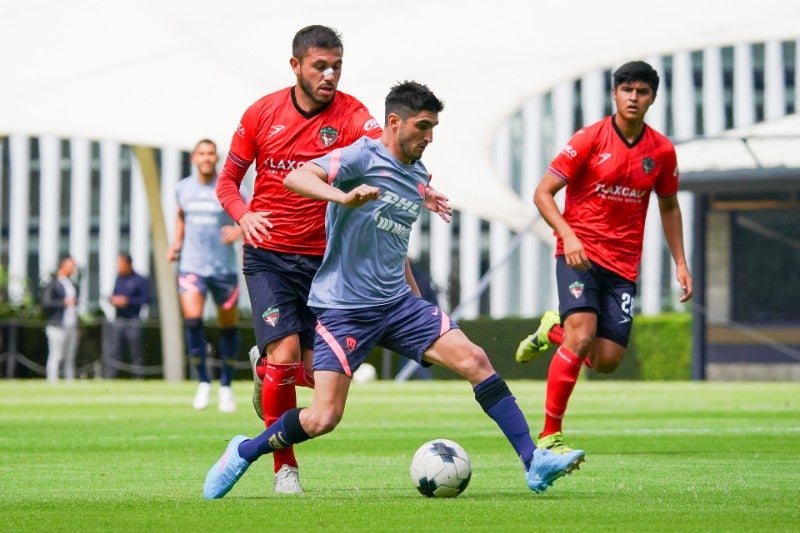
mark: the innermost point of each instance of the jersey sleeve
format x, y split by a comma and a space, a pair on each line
363, 123
344, 165
240, 156
573, 155
667, 182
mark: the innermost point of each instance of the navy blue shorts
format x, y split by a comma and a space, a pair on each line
408, 326
224, 288
278, 284
601, 291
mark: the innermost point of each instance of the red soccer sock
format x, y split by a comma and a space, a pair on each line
556, 334
304, 378
278, 396
561, 378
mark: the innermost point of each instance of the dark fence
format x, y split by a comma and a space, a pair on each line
660, 349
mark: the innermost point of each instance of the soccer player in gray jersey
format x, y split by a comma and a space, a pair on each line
203, 247
362, 299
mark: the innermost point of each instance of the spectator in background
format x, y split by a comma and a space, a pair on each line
131, 292
59, 301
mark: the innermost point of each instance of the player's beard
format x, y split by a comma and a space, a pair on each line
308, 90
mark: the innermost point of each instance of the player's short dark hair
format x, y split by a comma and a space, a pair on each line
636, 71
315, 36
204, 141
409, 98
127, 258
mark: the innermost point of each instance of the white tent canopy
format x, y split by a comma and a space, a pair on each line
155, 73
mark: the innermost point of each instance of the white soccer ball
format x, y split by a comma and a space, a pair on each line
441, 469
365, 373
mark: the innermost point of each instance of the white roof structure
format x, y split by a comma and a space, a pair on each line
166, 73
769, 151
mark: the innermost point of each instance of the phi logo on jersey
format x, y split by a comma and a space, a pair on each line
276, 129
240, 130
328, 135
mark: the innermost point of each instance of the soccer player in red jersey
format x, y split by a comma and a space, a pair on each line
284, 232
609, 170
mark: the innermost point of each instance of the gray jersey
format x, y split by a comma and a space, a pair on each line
364, 262
203, 252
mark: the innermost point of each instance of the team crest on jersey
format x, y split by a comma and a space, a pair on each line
271, 316
328, 135
350, 343
648, 165
576, 289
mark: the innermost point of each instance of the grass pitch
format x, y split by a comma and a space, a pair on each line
132, 456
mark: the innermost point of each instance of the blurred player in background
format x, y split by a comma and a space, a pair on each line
361, 294
609, 170
204, 248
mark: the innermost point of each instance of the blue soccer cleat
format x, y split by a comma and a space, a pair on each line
225, 472
548, 467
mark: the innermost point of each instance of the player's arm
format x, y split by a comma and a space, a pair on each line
174, 251
544, 198
311, 181
672, 223
229, 234
412, 282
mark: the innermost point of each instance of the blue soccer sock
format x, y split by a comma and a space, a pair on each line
228, 348
284, 432
496, 399
196, 347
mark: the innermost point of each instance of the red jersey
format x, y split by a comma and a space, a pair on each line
281, 137
608, 185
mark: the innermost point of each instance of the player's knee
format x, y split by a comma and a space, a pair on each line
474, 362
580, 342
320, 421
605, 364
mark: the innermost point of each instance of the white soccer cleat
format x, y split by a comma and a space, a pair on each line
226, 402
202, 396
287, 480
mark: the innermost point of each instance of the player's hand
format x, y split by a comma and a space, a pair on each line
255, 227
119, 300
230, 234
685, 281
575, 255
173, 252
361, 195
438, 203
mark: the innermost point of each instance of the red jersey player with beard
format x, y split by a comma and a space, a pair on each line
609, 170
284, 232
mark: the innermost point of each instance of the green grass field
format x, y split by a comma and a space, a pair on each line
127, 456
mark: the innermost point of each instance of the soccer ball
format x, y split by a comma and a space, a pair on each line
441, 469
366, 373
